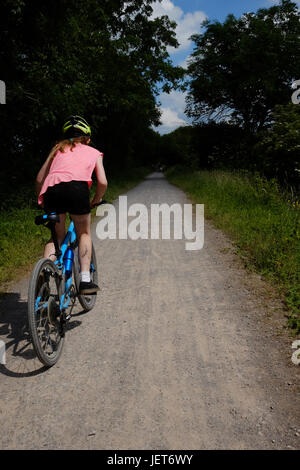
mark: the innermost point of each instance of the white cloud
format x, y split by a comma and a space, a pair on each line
166, 7
173, 104
174, 100
170, 121
187, 23
172, 108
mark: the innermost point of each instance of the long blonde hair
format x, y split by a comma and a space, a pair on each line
68, 143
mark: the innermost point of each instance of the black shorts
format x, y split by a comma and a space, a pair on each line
72, 197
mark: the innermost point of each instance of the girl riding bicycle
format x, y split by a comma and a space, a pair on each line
63, 185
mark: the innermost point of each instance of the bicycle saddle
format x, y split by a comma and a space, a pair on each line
43, 219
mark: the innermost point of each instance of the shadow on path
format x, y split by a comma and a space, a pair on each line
21, 360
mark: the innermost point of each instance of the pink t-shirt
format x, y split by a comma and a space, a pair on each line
75, 165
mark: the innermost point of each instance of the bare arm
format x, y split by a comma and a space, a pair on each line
42, 174
101, 182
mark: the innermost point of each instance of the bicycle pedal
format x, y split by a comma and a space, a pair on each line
68, 318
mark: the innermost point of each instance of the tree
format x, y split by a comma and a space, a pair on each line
103, 60
279, 148
244, 67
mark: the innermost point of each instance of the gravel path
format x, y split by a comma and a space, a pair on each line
182, 351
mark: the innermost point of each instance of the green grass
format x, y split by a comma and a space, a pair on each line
264, 224
21, 241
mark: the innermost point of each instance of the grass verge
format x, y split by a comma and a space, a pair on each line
264, 224
22, 242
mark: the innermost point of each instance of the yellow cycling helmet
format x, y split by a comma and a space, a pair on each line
76, 126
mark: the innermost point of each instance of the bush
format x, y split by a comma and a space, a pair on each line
279, 149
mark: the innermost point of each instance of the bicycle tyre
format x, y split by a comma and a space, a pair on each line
35, 291
87, 302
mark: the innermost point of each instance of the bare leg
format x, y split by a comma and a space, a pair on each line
82, 225
49, 251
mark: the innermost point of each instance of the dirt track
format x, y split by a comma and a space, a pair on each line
180, 352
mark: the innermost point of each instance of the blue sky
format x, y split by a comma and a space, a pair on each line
188, 15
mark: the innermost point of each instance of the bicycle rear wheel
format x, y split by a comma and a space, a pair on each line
86, 301
44, 312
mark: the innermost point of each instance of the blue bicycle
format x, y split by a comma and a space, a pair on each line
53, 289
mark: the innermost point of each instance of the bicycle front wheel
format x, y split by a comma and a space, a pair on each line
44, 312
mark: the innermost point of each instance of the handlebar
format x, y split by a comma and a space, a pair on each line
99, 203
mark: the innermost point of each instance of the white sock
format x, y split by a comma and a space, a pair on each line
85, 276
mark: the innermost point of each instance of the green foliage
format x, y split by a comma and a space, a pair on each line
264, 224
22, 242
244, 67
207, 145
103, 60
240, 83
175, 148
279, 147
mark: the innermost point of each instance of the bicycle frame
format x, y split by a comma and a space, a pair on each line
69, 239
52, 293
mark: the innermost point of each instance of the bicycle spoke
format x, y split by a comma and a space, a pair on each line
49, 335
48, 342
43, 310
